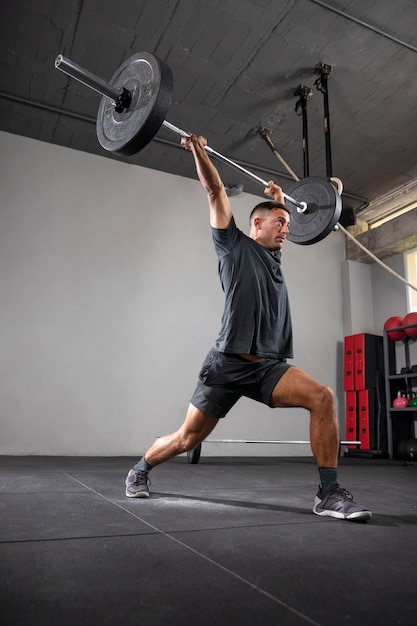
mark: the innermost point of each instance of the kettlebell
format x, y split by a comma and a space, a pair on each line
400, 402
413, 401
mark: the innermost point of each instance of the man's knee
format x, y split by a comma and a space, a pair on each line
327, 394
189, 442
324, 399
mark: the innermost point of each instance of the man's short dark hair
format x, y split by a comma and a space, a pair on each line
269, 205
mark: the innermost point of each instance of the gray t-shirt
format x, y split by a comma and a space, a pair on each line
256, 317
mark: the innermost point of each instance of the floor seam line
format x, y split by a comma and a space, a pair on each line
203, 556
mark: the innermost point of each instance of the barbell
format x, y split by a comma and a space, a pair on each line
193, 456
133, 108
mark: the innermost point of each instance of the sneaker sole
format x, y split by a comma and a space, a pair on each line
357, 516
138, 494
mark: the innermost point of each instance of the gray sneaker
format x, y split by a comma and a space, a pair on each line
338, 502
137, 483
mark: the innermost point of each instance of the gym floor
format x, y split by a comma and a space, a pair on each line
225, 541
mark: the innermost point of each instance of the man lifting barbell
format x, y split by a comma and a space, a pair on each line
250, 354
251, 351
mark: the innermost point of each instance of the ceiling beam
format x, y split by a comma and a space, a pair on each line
397, 235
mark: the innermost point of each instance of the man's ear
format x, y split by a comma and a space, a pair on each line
257, 222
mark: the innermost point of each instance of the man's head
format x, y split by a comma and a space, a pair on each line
269, 223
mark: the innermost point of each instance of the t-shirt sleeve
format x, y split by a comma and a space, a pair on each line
226, 239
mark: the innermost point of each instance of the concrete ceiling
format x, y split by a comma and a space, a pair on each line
236, 65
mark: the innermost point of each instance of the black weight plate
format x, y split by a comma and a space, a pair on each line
193, 456
324, 206
150, 83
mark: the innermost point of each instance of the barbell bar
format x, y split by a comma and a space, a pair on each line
193, 455
133, 109
301, 206
279, 441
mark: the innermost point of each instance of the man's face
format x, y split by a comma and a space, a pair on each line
272, 228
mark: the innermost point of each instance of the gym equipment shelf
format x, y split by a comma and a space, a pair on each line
400, 421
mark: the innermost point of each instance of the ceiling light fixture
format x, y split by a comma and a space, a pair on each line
392, 216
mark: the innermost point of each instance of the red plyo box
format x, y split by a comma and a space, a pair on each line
351, 427
348, 364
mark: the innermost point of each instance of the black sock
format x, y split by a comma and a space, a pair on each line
328, 477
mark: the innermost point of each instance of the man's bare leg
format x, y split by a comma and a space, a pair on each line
298, 389
196, 427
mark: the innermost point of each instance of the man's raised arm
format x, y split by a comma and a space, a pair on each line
220, 209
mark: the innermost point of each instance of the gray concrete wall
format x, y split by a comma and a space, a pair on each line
110, 301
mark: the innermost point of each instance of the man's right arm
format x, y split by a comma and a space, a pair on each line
220, 209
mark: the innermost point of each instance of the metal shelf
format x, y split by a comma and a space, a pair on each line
397, 376
411, 409
409, 413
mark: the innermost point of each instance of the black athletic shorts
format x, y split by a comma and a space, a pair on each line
224, 378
